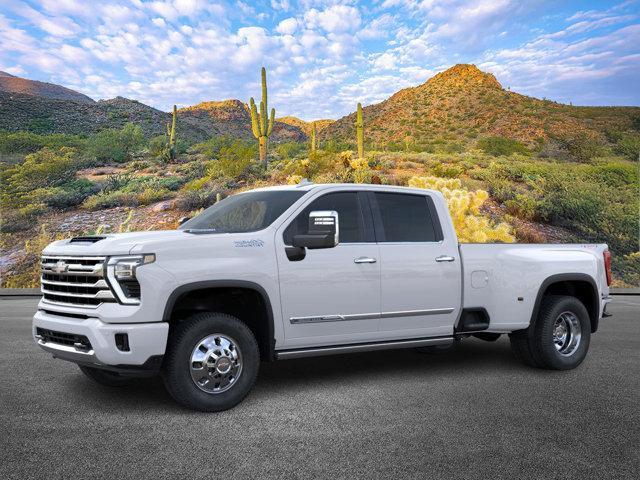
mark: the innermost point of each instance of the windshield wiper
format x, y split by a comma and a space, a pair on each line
199, 231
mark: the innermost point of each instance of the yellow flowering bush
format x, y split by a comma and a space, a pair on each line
464, 206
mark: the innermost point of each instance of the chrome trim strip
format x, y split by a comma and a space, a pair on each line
61, 257
415, 313
101, 294
99, 284
79, 306
65, 352
78, 273
363, 347
368, 316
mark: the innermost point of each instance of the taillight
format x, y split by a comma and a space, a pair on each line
607, 265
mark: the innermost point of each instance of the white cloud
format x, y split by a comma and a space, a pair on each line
287, 26
335, 19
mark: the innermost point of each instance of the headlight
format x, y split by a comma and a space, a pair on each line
121, 273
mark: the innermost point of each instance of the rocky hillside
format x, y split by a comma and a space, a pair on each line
46, 108
12, 84
232, 117
305, 126
464, 103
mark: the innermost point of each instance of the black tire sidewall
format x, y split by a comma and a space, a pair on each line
183, 340
546, 351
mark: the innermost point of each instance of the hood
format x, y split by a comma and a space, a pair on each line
112, 244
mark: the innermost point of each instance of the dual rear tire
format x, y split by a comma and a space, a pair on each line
558, 339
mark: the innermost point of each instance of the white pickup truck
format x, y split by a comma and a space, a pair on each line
307, 270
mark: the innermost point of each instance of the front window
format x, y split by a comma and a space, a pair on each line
245, 212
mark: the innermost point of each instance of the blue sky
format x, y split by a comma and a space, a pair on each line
322, 56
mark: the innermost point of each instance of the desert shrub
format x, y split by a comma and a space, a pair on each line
447, 170
157, 145
211, 148
121, 198
597, 202
191, 200
289, 150
629, 146
498, 146
28, 142
45, 168
116, 145
317, 163
523, 206
29, 274
581, 146
464, 207
232, 160
629, 267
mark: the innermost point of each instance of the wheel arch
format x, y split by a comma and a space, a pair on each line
579, 285
213, 293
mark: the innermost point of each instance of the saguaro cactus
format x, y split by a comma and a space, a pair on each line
171, 135
260, 124
360, 132
314, 138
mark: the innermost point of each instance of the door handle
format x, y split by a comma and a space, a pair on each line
364, 260
445, 258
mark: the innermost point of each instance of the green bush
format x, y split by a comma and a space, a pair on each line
28, 142
121, 198
43, 169
232, 160
498, 146
629, 146
289, 150
116, 145
581, 146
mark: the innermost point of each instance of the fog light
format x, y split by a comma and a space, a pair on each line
122, 342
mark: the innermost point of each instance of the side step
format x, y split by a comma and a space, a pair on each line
362, 347
473, 320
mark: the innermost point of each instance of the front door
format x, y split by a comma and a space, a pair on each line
332, 295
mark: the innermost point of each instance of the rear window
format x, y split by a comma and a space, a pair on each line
405, 218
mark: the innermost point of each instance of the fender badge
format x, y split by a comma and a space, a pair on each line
248, 243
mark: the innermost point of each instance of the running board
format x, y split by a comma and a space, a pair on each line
362, 347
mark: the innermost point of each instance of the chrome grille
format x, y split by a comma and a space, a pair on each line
74, 281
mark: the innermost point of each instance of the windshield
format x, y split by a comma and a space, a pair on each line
245, 212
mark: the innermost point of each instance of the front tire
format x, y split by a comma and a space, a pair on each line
559, 337
211, 363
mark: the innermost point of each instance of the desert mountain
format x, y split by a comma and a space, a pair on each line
33, 111
12, 84
305, 126
232, 117
463, 103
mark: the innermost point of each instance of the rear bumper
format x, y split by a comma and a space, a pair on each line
147, 342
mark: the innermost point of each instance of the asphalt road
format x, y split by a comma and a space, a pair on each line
473, 412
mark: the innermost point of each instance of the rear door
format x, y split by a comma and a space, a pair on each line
332, 295
420, 269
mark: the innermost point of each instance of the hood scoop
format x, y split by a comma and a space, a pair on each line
87, 239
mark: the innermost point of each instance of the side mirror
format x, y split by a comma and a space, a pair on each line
323, 231
183, 220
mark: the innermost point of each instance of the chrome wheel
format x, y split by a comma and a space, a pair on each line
216, 363
567, 333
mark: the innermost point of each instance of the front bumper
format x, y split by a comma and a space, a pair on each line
147, 341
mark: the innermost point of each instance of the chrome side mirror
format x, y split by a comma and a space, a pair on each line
323, 232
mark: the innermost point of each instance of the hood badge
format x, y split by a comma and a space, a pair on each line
248, 243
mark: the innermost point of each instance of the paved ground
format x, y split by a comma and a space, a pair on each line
469, 413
